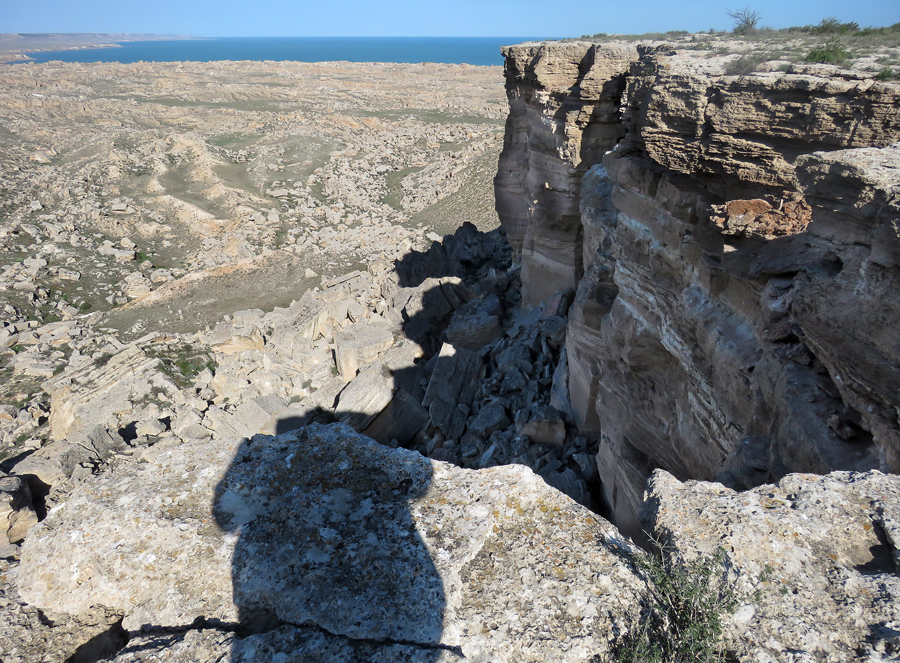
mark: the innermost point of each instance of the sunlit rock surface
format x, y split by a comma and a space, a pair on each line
326, 528
813, 560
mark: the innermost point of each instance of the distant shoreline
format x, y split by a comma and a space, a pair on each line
24, 57
16, 47
478, 51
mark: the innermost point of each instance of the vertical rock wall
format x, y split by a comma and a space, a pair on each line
733, 257
564, 101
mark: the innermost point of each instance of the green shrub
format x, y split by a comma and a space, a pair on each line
183, 363
684, 619
887, 74
831, 52
832, 26
102, 360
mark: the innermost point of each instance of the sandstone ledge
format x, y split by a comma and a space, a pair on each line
325, 527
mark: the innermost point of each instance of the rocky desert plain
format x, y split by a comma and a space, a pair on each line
389, 362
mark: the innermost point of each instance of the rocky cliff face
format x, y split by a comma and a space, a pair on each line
714, 295
732, 241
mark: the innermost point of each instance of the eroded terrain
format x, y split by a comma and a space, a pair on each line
162, 196
118, 179
654, 303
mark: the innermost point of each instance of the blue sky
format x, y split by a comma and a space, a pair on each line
495, 18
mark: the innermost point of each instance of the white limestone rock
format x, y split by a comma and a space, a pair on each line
815, 557
326, 528
359, 344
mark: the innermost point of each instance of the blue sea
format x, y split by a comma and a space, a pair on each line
453, 50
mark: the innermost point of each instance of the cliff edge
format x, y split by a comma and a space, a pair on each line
733, 245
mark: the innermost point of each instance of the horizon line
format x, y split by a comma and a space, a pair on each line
190, 36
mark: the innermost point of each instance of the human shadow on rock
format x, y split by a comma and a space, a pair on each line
327, 542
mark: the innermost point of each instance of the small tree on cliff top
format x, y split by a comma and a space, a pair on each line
745, 20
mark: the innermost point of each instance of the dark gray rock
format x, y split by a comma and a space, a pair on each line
452, 388
491, 417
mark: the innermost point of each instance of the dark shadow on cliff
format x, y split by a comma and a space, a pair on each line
461, 254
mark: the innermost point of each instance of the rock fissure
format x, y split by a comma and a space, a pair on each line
428, 646
269, 623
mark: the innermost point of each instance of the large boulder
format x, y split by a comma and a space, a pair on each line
813, 560
326, 529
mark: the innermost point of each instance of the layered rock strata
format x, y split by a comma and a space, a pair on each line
564, 114
732, 258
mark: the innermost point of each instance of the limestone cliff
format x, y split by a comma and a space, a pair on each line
733, 244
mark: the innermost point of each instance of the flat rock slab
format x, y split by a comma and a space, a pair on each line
324, 527
364, 399
94, 392
475, 324
256, 415
359, 344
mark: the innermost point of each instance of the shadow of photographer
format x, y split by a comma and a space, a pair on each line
327, 544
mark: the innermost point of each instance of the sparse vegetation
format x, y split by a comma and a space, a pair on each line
831, 41
683, 621
746, 64
102, 360
183, 363
832, 26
